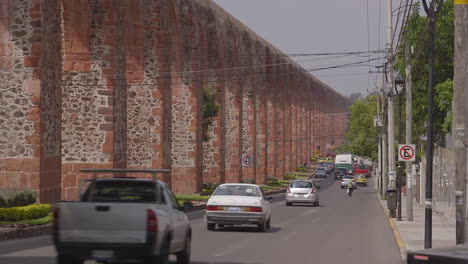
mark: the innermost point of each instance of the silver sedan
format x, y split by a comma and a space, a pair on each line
302, 191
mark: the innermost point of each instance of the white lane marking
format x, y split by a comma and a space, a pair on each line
48, 251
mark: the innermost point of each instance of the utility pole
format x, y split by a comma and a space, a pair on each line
391, 110
431, 12
384, 138
460, 115
379, 146
409, 118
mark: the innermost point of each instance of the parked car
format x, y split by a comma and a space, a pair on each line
238, 204
340, 172
345, 181
321, 172
302, 191
122, 219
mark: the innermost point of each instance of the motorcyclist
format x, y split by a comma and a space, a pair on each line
350, 187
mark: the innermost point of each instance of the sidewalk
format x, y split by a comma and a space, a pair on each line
410, 235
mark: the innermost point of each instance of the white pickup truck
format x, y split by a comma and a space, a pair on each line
122, 219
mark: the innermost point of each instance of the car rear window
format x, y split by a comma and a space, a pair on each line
237, 190
122, 191
301, 184
320, 169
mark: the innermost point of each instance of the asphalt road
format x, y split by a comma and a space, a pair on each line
343, 229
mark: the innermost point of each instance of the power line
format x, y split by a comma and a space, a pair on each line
169, 74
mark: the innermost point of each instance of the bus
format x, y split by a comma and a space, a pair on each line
344, 161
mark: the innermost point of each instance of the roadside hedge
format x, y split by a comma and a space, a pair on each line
29, 212
17, 197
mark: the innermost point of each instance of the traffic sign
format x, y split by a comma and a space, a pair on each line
406, 152
247, 160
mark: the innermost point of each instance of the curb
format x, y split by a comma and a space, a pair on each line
396, 233
16, 233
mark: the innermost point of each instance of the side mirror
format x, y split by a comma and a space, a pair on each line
186, 206
318, 187
269, 198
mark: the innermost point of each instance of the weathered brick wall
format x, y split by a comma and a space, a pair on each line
119, 83
19, 94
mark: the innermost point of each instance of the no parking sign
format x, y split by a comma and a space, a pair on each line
406, 152
247, 160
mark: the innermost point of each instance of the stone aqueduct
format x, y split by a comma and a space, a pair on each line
119, 84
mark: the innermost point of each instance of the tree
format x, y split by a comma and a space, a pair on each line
362, 136
210, 111
415, 32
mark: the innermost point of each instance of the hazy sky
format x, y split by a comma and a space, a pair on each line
321, 26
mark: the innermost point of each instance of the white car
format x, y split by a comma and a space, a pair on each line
345, 181
238, 204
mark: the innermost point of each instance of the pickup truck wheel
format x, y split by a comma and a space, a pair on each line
67, 259
184, 256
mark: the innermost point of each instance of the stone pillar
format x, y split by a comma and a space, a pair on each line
51, 97
94, 90
271, 117
20, 97
144, 100
232, 109
186, 103
280, 98
248, 84
261, 114
213, 149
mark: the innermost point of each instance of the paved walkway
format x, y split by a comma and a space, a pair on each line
410, 235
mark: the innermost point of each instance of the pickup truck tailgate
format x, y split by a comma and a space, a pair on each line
94, 222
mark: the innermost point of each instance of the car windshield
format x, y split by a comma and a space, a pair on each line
341, 169
237, 190
320, 169
301, 184
347, 177
121, 191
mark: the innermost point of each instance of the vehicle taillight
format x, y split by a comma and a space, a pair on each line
254, 209
214, 208
313, 190
55, 214
152, 222
421, 257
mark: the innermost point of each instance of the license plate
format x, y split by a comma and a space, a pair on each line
102, 254
234, 209
298, 195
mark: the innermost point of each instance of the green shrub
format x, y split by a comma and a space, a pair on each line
249, 180
17, 198
290, 177
301, 169
271, 178
3, 202
29, 212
